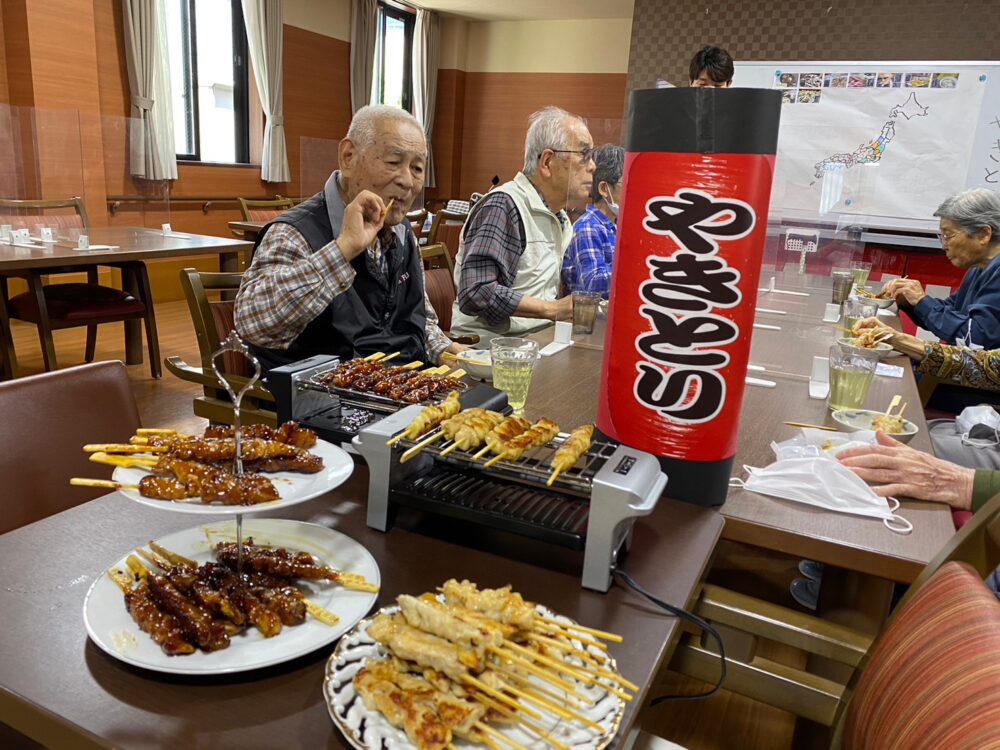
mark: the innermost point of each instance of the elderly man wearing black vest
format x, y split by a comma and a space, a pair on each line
341, 272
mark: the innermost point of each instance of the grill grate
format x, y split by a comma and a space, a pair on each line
544, 515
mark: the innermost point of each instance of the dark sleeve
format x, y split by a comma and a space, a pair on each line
494, 243
942, 319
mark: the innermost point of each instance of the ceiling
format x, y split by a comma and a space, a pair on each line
529, 10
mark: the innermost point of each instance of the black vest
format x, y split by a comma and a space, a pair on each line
377, 314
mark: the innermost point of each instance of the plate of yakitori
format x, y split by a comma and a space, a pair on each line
178, 605
465, 666
194, 474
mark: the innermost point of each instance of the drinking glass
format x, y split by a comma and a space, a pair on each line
842, 281
860, 270
585, 311
856, 309
851, 373
513, 362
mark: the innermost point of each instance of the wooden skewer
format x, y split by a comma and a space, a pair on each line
482, 686
387, 357
613, 637
451, 448
482, 738
902, 409
588, 642
529, 666
411, 452
497, 457
506, 711
155, 431
480, 453
127, 462
521, 679
457, 374
551, 642
555, 708
105, 483
595, 667
814, 426
373, 357
893, 404
123, 448
388, 207
555, 664
482, 727
552, 478
414, 365
173, 557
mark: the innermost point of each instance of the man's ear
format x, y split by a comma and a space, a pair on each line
545, 162
346, 153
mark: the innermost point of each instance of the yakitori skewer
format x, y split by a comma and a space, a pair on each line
428, 418
540, 433
576, 445
473, 431
502, 434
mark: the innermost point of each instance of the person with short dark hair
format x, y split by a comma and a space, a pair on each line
587, 263
711, 67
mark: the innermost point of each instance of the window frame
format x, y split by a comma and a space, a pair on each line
241, 83
409, 21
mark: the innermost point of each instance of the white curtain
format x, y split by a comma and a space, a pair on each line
151, 143
263, 19
426, 53
364, 19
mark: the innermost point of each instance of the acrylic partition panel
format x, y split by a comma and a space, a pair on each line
132, 201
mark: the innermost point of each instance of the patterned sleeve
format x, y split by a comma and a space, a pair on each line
287, 286
587, 252
494, 243
977, 368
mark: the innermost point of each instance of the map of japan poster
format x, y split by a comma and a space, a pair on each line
874, 143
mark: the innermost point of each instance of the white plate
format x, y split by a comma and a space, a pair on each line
292, 487
370, 730
111, 627
861, 419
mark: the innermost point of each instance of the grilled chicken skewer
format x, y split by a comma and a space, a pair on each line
539, 434
502, 434
472, 432
577, 444
285, 564
469, 419
429, 418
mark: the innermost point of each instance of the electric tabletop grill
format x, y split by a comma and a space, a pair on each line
590, 508
337, 414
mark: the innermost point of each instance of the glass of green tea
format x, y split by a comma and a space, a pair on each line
856, 310
851, 373
860, 270
513, 362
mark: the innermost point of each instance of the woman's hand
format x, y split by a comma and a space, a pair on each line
898, 470
909, 289
902, 342
866, 323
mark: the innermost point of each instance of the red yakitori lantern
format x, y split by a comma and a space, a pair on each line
691, 232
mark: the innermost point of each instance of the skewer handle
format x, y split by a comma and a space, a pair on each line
374, 357
123, 461
411, 452
496, 458
457, 374
387, 357
154, 431
104, 483
481, 452
552, 478
123, 448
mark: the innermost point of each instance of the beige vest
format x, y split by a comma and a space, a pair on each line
538, 271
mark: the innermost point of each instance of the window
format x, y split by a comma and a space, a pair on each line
207, 47
393, 52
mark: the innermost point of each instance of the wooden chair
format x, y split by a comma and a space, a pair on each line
48, 417
213, 321
264, 210
417, 220
852, 707
439, 279
437, 256
447, 230
53, 307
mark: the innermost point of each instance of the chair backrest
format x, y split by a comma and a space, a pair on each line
25, 214
264, 210
213, 319
417, 220
447, 229
436, 256
48, 418
934, 675
441, 292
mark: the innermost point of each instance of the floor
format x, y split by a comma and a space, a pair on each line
724, 721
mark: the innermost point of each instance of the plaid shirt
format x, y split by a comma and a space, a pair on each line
494, 243
288, 285
587, 263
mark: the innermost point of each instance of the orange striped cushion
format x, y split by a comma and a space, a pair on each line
934, 679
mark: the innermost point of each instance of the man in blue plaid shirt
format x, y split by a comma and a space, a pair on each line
587, 263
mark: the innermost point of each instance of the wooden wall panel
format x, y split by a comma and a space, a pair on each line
4, 93
497, 106
447, 138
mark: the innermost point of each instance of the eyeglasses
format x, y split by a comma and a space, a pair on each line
586, 154
946, 237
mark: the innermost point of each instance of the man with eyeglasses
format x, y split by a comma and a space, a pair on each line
711, 67
510, 254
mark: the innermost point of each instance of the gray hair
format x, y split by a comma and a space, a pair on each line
363, 124
546, 129
610, 161
972, 210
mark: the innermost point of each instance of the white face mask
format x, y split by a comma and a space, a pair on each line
824, 483
984, 420
612, 206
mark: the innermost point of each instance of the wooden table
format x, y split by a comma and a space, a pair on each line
60, 689
130, 244
565, 388
248, 230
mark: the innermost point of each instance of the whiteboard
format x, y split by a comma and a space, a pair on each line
880, 144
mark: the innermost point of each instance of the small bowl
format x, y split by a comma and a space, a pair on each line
477, 363
881, 304
861, 419
882, 348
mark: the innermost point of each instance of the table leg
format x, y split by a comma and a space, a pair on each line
133, 328
8, 359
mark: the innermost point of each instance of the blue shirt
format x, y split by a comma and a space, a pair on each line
587, 263
977, 301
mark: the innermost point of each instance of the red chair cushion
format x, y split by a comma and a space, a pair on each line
934, 677
79, 302
960, 518
441, 293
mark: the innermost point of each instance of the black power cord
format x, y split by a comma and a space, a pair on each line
693, 619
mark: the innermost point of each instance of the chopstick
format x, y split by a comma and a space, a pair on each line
814, 426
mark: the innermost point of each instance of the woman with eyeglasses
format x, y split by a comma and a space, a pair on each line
970, 236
